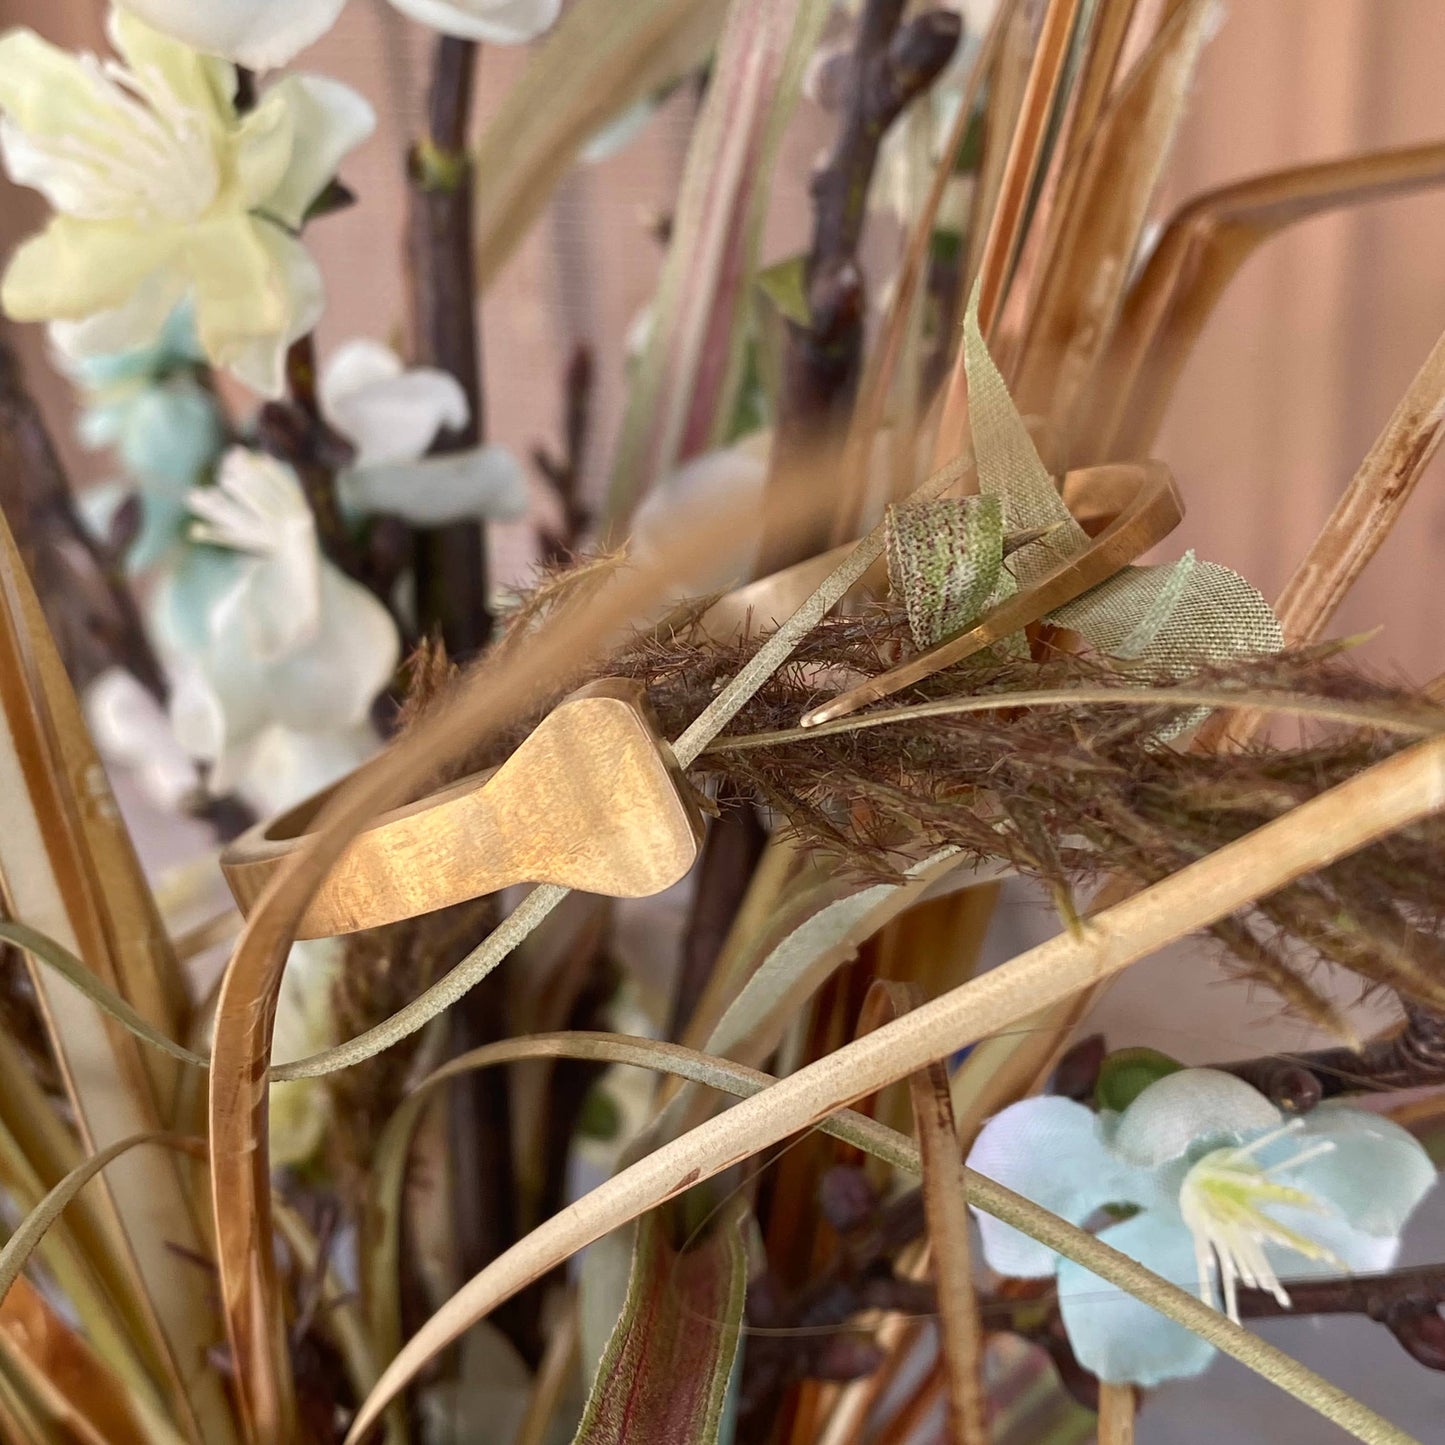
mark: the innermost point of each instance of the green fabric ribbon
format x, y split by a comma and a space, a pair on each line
1169, 619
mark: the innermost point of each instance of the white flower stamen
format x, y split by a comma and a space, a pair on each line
1224, 1199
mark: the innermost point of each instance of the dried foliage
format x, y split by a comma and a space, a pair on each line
1070, 793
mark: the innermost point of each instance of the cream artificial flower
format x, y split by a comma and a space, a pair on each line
162, 190
263, 33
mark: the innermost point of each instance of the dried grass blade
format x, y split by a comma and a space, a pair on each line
344, 1321
33, 1228
81, 1378
681, 399
1008, 219
1363, 517
68, 867
1118, 1406
664, 1374
1097, 233
559, 1360
1006, 81
79, 1280
245, 1014
945, 1201
1370, 506
382, 1220
598, 60
1198, 254
1027, 153
1391, 795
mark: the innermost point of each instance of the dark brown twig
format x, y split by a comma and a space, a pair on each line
295, 432
84, 596
1412, 1058
734, 846
450, 562
892, 65
451, 602
565, 472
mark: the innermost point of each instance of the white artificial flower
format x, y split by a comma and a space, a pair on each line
733, 477
131, 730
1221, 1187
392, 415
162, 190
264, 33
276, 655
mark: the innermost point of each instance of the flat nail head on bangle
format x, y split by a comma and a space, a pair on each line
593, 800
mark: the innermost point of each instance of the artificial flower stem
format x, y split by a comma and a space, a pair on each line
1118, 1405
451, 577
38, 503
451, 601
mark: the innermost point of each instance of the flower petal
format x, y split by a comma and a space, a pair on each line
1050, 1150
181, 605
258, 507
130, 728
499, 22
214, 710
265, 146
197, 80
1192, 1106
331, 683
257, 33
43, 88
257, 291
1375, 1175
389, 414
486, 483
170, 435
138, 324
328, 121
1119, 1338
74, 269
354, 365
282, 767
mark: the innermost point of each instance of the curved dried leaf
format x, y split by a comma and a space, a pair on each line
664, 1374
32, 1229
90, 1396
487, 701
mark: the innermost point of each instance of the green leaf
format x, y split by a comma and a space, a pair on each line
1126, 1073
785, 284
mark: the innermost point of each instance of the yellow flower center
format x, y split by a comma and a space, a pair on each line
1224, 1201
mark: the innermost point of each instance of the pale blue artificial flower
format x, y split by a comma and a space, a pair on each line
275, 655
164, 426
1224, 1188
